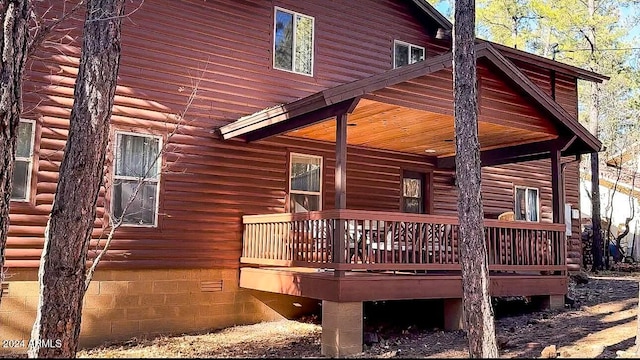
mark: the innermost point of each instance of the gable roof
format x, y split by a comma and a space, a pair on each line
353, 90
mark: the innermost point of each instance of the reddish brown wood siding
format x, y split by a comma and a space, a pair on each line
225, 47
566, 88
567, 93
500, 102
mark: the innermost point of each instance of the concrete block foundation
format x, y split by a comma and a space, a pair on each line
342, 326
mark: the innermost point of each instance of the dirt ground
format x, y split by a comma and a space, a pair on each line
601, 322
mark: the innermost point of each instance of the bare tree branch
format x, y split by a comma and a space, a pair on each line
114, 224
40, 32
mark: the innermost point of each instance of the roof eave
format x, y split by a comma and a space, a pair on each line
559, 66
434, 14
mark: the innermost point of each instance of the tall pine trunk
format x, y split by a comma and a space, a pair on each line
597, 246
477, 310
596, 222
68, 233
13, 47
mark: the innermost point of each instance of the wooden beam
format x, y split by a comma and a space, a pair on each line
515, 154
285, 124
570, 142
341, 190
557, 186
507, 155
341, 162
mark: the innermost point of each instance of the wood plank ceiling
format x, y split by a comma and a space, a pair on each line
380, 125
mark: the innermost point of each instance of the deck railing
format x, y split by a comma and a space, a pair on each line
374, 240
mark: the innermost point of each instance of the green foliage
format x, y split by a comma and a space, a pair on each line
591, 34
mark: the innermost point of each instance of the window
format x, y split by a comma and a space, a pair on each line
413, 192
21, 180
293, 42
405, 53
305, 183
527, 205
136, 179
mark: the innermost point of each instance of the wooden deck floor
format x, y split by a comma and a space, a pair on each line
370, 286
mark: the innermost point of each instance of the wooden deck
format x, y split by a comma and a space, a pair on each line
353, 255
370, 286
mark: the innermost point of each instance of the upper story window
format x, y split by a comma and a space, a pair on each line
293, 42
305, 183
136, 179
527, 204
21, 180
405, 53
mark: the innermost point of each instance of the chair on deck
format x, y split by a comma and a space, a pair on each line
507, 216
396, 243
417, 243
505, 242
442, 247
312, 244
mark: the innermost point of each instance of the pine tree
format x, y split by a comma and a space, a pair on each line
68, 233
477, 310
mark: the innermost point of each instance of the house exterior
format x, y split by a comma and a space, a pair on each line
619, 198
314, 162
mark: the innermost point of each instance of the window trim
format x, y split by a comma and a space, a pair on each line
313, 41
526, 189
115, 177
410, 45
303, 192
30, 160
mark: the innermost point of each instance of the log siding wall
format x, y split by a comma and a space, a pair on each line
225, 50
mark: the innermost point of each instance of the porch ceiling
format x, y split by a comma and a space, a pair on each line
391, 127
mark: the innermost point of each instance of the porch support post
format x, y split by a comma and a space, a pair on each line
339, 246
557, 186
342, 325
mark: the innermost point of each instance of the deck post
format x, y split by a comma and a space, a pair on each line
557, 186
342, 326
341, 190
453, 314
550, 302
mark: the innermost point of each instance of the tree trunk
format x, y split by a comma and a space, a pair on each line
596, 217
638, 325
62, 268
596, 225
13, 45
477, 310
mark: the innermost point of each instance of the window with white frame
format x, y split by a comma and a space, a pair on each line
405, 53
527, 204
305, 183
293, 42
136, 179
21, 180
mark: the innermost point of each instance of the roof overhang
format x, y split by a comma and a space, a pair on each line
516, 54
434, 14
343, 99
